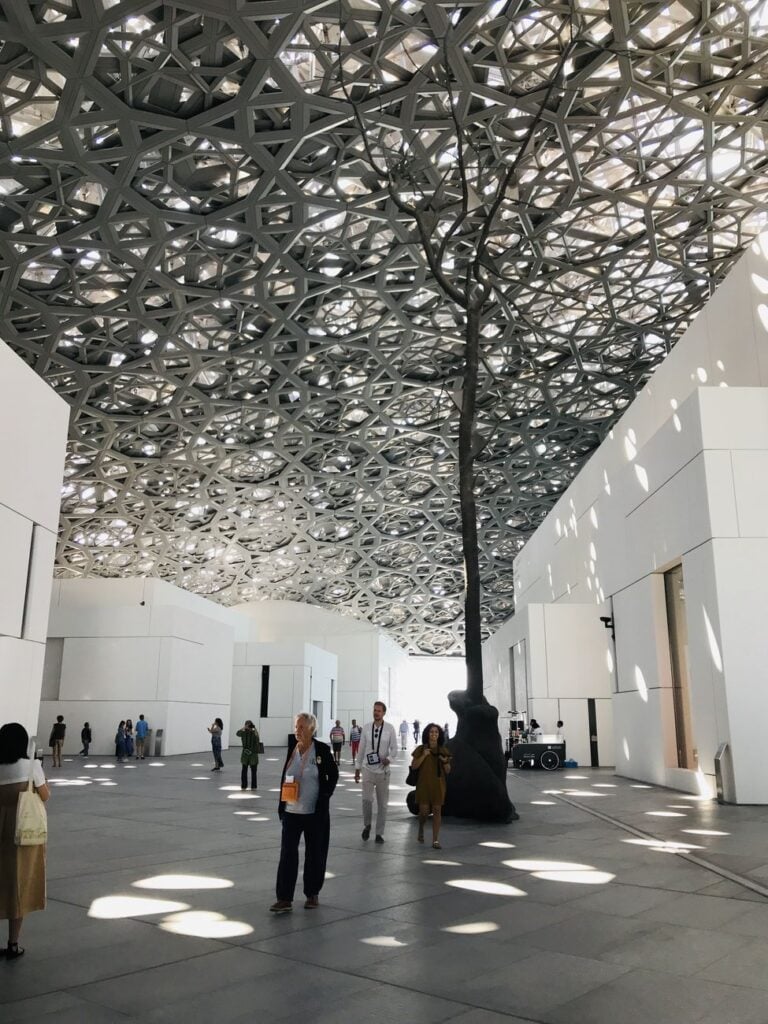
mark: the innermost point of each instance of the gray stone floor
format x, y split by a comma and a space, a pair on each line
563, 917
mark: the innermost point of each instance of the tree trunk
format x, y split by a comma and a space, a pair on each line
477, 786
472, 642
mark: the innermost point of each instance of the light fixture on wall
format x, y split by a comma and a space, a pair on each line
607, 621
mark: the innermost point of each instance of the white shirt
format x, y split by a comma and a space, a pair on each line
372, 741
19, 772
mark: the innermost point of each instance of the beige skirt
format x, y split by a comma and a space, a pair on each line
22, 868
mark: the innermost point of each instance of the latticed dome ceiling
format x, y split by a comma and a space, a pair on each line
262, 373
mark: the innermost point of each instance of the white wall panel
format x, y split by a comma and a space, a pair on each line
32, 459
21, 672
750, 491
39, 585
703, 452
577, 643
15, 544
99, 620
606, 745
110, 668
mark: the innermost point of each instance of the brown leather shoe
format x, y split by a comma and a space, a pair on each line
311, 903
281, 907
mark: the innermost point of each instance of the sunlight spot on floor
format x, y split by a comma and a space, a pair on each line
183, 882
205, 924
114, 907
589, 877
483, 886
471, 928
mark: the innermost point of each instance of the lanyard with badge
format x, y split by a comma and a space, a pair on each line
372, 757
289, 791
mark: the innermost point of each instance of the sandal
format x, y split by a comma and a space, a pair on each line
436, 845
13, 951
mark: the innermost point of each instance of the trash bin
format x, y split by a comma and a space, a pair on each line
158, 743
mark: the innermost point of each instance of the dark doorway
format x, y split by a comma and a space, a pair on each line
592, 713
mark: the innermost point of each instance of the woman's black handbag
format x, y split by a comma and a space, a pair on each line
412, 778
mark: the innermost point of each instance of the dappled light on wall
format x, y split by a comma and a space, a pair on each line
704, 784
630, 445
640, 683
714, 647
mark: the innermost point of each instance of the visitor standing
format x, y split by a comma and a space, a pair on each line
120, 741
22, 868
129, 744
378, 748
432, 759
309, 778
86, 737
216, 730
56, 741
404, 730
249, 737
142, 728
337, 741
416, 729
355, 732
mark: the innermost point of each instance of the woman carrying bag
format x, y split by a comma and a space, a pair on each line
22, 834
432, 760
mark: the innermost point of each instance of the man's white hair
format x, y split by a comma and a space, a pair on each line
309, 718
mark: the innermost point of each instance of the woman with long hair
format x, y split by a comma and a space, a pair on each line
433, 761
216, 729
22, 868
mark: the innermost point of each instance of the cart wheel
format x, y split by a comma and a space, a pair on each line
549, 760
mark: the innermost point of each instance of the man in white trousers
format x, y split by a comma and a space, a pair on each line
377, 750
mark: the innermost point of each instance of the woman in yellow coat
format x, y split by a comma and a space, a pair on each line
433, 761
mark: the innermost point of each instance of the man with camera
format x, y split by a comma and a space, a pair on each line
378, 748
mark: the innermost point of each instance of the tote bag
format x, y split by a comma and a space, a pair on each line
31, 818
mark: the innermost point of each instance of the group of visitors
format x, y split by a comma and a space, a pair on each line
129, 741
309, 777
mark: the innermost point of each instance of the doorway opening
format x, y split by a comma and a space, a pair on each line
677, 630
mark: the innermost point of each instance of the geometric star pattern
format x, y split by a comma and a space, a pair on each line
262, 372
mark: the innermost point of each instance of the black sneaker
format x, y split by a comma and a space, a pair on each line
379, 839
366, 833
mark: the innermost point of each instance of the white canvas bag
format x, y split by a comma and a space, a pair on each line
31, 817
